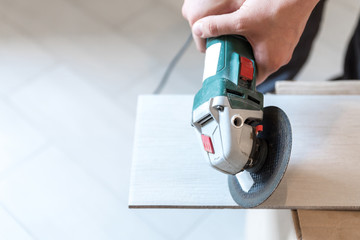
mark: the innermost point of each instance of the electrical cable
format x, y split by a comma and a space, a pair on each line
172, 64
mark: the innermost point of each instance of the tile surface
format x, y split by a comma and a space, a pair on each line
10, 228
104, 57
246, 224
63, 202
18, 138
83, 123
172, 223
21, 59
176, 84
113, 12
159, 31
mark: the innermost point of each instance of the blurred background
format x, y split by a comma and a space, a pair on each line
70, 74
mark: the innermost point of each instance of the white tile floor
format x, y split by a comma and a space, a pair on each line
70, 72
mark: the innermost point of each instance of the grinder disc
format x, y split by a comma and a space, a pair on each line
277, 133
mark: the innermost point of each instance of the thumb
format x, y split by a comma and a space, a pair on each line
216, 25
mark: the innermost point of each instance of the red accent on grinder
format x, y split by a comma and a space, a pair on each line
208, 146
259, 128
246, 69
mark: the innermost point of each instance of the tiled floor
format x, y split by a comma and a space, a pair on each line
70, 72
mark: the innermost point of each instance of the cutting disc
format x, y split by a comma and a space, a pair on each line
277, 134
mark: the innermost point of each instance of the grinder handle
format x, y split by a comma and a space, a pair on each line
230, 70
231, 57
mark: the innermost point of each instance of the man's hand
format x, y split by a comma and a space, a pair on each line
273, 27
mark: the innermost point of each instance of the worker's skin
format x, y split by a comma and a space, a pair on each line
273, 27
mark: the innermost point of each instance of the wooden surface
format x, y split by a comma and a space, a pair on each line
349, 87
329, 225
169, 170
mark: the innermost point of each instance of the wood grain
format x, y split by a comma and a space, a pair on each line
169, 170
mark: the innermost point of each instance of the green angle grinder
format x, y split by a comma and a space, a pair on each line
240, 137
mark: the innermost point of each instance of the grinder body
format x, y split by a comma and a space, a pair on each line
227, 110
239, 137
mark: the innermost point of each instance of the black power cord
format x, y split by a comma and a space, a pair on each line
172, 64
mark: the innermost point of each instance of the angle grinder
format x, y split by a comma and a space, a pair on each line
240, 137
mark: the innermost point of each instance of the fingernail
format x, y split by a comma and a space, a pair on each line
197, 29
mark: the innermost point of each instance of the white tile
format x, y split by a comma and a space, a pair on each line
94, 50
10, 228
186, 77
59, 20
113, 65
173, 223
146, 85
246, 224
20, 59
176, 84
54, 198
18, 138
191, 65
159, 31
180, 84
114, 12
221, 224
175, 4
83, 123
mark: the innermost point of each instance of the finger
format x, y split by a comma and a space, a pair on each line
213, 26
200, 43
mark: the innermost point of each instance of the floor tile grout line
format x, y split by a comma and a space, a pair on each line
81, 168
113, 193
50, 142
58, 59
30, 36
161, 68
24, 116
54, 66
46, 146
35, 77
150, 224
24, 32
168, 5
18, 222
182, 236
93, 176
117, 29
13, 167
97, 87
37, 152
197, 225
114, 28
103, 21
110, 26
127, 20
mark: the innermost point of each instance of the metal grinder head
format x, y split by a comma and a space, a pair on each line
277, 139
